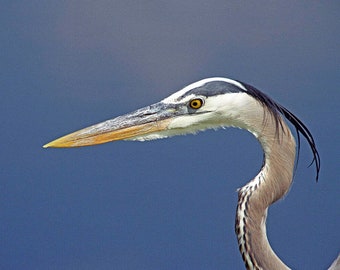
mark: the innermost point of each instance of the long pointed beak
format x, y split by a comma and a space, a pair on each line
145, 121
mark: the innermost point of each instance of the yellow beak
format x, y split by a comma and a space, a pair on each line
149, 120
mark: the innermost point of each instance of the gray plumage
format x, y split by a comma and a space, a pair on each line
215, 103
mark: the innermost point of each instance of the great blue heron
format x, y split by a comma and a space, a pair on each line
214, 103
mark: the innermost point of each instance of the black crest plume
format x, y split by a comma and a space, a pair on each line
276, 109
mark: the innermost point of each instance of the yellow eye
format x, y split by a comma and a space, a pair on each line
196, 103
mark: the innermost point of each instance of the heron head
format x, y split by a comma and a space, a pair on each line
209, 103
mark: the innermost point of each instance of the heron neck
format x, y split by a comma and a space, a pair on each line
271, 184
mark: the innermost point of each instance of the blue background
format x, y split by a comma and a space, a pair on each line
166, 204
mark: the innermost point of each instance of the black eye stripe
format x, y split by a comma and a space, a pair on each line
213, 88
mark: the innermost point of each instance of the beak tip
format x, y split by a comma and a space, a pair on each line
48, 145
54, 144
